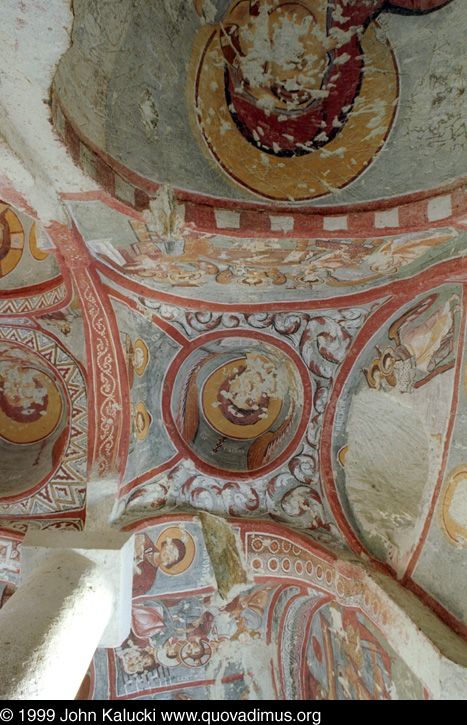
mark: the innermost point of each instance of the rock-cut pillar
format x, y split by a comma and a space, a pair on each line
66, 606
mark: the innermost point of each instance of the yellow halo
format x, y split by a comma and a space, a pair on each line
298, 178
175, 532
141, 408
454, 530
140, 345
216, 418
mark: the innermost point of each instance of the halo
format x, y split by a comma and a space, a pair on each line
140, 345
216, 418
454, 530
14, 238
175, 532
36, 252
165, 661
202, 660
341, 455
314, 174
141, 408
23, 431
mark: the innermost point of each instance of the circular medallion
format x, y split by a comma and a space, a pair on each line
142, 421
34, 418
30, 399
195, 653
237, 404
140, 356
11, 240
275, 134
177, 550
452, 508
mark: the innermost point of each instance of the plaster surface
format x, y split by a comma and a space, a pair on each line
188, 334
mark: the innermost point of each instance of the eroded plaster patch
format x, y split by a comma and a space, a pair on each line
386, 465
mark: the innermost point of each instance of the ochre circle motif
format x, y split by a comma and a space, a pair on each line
36, 252
237, 404
30, 399
452, 508
11, 240
177, 538
142, 421
245, 413
309, 169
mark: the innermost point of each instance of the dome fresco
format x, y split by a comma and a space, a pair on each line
265, 100
237, 403
232, 270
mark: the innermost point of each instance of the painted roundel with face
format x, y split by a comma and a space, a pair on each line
34, 411
30, 400
305, 90
11, 240
237, 404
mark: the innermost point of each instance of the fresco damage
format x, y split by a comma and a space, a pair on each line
255, 328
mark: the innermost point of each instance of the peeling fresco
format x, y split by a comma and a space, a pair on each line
217, 267
406, 372
306, 633
279, 101
255, 330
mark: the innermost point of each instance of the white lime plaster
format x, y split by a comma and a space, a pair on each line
388, 218
334, 223
36, 162
387, 466
439, 208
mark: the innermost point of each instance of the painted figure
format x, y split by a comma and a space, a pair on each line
141, 420
427, 347
195, 653
293, 69
147, 619
239, 407
173, 552
357, 665
245, 614
136, 661
11, 240
30, 402
136, 355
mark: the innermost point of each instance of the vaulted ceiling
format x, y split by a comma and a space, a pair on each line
232, 281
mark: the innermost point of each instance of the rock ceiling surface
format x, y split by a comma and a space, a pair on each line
232, 280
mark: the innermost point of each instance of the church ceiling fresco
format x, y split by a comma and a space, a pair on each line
251, 406
211, 267
409, 353
260, 316
446, 533
233, 416
43, 402
319, 632
286, 102
395, 334
30, 279
403, 391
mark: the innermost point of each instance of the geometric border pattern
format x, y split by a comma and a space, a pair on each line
432, 208
65, 490
23, 305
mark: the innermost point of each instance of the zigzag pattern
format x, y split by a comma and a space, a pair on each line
66, 490
21, 305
